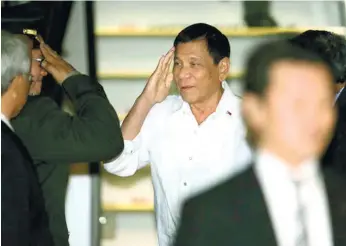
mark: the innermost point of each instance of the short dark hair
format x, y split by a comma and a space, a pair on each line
330, 46
217, 42
260, 61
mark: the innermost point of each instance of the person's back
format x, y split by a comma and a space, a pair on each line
24, 220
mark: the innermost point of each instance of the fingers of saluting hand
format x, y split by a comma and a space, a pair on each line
159, 66
39, 39
169, 80
164, 63
52, 52
168, 60
48, 53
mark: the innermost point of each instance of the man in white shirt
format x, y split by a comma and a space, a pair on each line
285, 198
193, 140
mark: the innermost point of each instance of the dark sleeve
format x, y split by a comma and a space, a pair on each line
340, 146
194, 229
335, 155
15, 217
93, 134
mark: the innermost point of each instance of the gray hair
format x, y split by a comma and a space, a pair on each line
15, 58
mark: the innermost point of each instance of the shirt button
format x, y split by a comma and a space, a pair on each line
185, 183
190, 158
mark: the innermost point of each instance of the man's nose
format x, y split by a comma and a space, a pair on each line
184, 73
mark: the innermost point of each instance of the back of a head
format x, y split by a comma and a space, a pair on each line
15, 58
23, 16
218, 44
329, 46
264, 56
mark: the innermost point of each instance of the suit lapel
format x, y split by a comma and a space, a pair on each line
260, 229
335, 187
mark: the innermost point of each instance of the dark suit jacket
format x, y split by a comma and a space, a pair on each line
234, 213
55, 139
24, 219
335, 155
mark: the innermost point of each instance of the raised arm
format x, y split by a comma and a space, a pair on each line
51, 135
139, 123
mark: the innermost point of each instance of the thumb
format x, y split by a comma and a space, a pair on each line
169, 80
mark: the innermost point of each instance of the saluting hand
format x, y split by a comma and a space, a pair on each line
159, 83
54, 64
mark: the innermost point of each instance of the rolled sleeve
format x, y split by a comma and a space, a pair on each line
136, 152
131, 146
133, 157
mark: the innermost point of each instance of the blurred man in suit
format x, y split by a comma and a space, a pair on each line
332, 48
284, 198
53, 137
24, 219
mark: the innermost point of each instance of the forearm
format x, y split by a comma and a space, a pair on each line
92, 134
136, 117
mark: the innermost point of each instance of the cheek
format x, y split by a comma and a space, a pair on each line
22, 100
328, 120
284, 123
25, 90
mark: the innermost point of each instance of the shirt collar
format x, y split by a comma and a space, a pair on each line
6, 121
338, 94
226, 104
273, 166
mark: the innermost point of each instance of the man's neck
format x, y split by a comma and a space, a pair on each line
202, 110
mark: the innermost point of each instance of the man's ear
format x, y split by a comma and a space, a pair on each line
253, 112
224, 67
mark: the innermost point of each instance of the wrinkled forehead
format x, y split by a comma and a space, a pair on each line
197, 48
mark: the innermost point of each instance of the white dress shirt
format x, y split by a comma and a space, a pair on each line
186, 158
6, 121
277, 182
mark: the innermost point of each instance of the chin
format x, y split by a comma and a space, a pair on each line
189, 98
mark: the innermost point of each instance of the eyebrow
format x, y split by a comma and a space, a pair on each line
190, 58
195, 58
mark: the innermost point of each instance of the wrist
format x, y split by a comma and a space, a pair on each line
146, 100
69, 74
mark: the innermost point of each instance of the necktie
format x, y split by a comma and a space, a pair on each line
301, 237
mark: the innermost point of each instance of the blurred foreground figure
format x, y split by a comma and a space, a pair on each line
192, 141
284, 199
24, 219
332, 48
